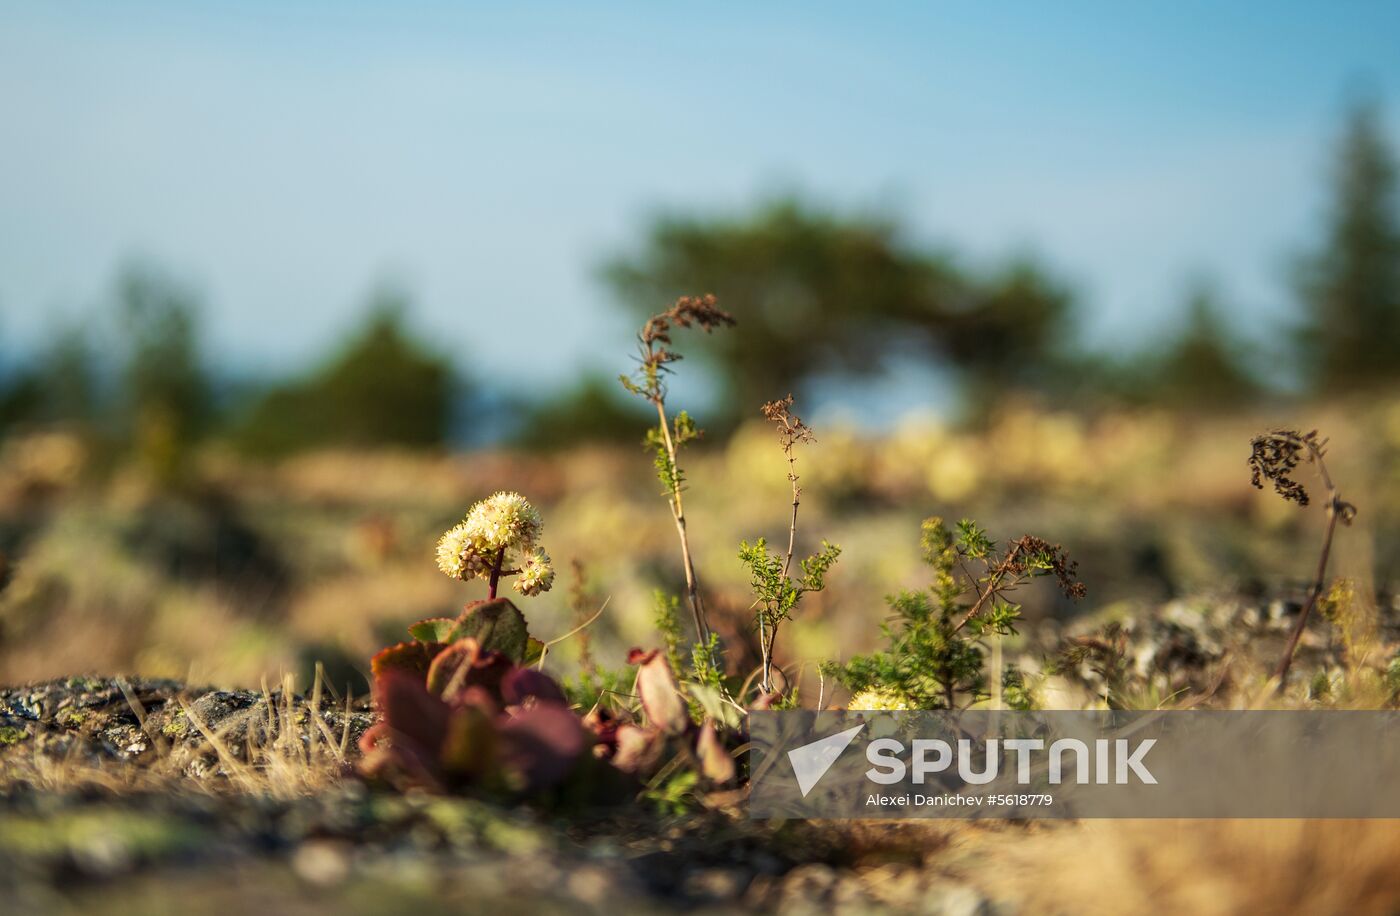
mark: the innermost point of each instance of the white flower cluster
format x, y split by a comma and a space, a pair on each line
536, 575
500, 530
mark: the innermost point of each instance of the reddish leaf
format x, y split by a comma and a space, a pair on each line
485, 675
451, 667
716, 763
477, 698
764, 701
412, 728
638, 749
522, 683
603, 725
469, 747
661, 698
408, 657
540, 746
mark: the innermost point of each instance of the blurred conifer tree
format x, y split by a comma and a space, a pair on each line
1350, 287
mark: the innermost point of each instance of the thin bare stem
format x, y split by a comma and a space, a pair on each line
1291, 647
1336, 509
791, 431
654, 360
692, 585
1274, 457
796, 501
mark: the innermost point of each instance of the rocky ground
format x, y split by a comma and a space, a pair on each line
151, 796
115, 800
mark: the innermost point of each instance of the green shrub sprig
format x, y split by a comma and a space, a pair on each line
934, 658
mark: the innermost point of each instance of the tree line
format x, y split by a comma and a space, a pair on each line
820, 294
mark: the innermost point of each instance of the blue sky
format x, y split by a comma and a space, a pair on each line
286, 157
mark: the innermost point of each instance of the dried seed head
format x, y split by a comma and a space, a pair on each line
1030, 555
1275, 455
791, 429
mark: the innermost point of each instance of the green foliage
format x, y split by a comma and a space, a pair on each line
590, 411
776, 592
1320, 688
683, 431
383, 388
1350, 286
1015, 692
666, 616
821, 291
935, 653
61, 386
167, 392
1391, 677
704, 663
599, 686
675, 795
1204, 366
497, 626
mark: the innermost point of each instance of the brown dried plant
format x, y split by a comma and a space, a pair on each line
1274, 457
654, 359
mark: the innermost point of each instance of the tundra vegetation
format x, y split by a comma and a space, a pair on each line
199, 572
466, 706
632, 704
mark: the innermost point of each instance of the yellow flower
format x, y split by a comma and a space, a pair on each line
879, 699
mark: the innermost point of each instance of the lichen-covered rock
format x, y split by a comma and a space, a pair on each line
137, 722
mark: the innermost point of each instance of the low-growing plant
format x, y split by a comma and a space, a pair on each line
934, 658
464, 705
776, 592
1274, 457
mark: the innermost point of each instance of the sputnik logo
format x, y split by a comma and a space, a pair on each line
811, 761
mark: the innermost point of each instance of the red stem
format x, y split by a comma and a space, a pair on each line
495, 575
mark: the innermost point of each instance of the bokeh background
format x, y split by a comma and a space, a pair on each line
285, 288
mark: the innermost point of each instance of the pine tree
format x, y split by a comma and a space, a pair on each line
1351, 287
1205, 366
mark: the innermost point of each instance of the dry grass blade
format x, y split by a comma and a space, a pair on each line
139, 710
232, 765
544, 650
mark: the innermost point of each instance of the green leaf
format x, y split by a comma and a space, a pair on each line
497, 626
713, 704
434, 629
534, 651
